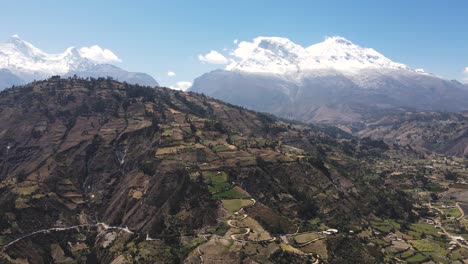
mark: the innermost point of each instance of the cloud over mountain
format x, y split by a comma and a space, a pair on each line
98, 54
181, 86
213, 57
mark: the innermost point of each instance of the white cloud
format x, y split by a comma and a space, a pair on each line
465, 74
181, 86
98, 54
244, 49
235, 41
171, 74
213, 57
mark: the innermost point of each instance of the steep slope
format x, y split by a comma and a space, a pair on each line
331, 82
443, 133
98, 170
29, 63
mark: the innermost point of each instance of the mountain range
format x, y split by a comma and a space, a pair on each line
21, 62
332, 82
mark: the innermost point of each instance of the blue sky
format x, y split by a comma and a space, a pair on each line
161, 36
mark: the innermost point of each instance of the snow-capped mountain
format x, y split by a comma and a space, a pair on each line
282, 56
8, 79
332, 81
26, 62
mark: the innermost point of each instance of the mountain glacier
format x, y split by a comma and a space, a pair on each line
276, 55
26, 63
335, 81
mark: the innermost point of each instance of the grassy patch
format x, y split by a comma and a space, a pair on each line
191, 245
234, 205
371, 177
167, 132
418, 229
434, 187
26, 190
21, 203
218, 187
455, 255
427, 246
174, 150
418, 258
3, 240
385, 226
380, 242
452, 212
303, 238
315, 221
221, 148
230, 194
408, 253
219, 230
291, 249
218, 182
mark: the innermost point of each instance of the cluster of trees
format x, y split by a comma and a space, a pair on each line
194, 108
213, 125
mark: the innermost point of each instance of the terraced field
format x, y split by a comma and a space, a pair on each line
234, 205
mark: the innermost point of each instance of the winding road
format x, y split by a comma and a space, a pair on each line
200, 255
247, 230
310, 242
452, 237
239, 215
60, 229
457, 204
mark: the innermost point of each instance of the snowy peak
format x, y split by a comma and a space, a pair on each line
337, 40
22, 62
268, 55
22, 46
17, 46
341, 54
282, 47
29, 62
282, 56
